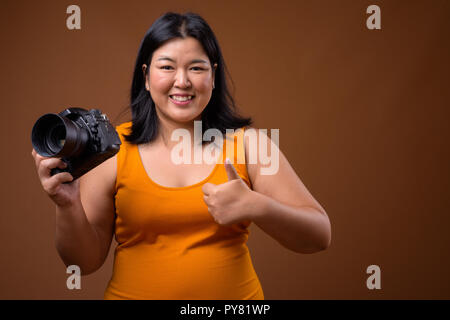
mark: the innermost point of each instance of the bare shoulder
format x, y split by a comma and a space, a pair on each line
270, 171
256, 141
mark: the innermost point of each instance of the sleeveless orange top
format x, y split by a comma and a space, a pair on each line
169, 246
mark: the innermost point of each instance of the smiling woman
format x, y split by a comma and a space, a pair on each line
182, 79
180, 52
170, 245
181, 228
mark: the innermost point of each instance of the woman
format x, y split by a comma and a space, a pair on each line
181, 228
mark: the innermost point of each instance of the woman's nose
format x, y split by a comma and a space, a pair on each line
182, 79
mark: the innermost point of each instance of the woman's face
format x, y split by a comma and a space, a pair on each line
180, 79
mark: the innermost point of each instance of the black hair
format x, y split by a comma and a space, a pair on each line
220, 113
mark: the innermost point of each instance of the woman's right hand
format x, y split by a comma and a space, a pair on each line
62, 194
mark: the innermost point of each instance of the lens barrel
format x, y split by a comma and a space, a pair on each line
57, 136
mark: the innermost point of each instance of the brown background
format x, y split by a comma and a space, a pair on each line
363, 118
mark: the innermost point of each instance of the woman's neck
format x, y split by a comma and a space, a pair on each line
167, 127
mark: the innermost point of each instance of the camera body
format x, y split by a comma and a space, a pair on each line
81, 138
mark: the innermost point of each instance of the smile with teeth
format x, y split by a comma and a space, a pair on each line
181, 98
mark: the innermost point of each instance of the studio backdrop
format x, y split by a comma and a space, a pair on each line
359, 91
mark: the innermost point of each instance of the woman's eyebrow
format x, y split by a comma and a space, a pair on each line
199, 61
192, 61
165, 58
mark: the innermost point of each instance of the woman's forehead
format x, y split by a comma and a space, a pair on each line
180, 49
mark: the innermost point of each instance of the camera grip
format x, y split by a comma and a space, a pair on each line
57, 170
68, 168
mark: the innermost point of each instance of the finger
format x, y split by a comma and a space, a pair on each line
62, 177
51, 184
231, 170
205, 198
208, 188
37, 157
47, 164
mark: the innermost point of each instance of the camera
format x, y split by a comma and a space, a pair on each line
83, 139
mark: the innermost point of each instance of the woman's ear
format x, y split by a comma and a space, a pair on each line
144, 70
214, 74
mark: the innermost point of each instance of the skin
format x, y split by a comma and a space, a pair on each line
279, 204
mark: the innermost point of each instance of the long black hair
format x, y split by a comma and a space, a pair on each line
220, 113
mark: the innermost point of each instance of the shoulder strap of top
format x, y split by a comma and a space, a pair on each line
123, 129
235, 151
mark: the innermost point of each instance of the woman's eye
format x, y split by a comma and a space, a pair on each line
171, 68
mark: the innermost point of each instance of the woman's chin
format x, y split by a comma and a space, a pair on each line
181, 114
184, 116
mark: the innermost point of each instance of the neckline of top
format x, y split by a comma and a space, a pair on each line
203, 181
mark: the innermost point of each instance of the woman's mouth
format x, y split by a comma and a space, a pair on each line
181, 100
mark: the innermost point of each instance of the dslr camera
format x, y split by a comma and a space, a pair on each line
83, 139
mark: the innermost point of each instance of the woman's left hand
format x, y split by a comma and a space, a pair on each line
228, 202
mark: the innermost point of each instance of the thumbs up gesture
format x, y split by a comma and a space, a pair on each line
228, 202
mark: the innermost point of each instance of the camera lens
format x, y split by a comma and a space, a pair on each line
57, 136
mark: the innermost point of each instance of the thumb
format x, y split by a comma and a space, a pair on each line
231, 170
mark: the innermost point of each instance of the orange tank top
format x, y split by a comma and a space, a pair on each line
169, 246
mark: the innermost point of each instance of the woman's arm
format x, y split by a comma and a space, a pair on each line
84, 229
281, 205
